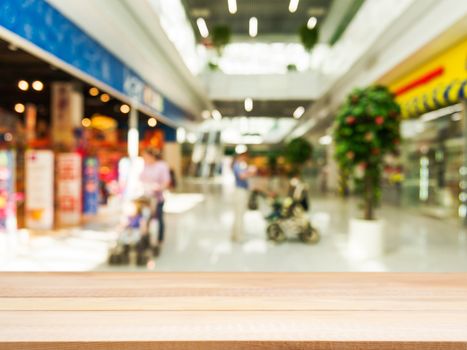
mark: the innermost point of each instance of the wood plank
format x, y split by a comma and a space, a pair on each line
180, 303
239, 345
47, 326
233, 310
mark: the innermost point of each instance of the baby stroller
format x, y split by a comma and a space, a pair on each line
289, 218
137, 240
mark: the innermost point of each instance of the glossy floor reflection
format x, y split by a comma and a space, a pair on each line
198, 239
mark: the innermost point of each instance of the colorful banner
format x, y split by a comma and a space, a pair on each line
440, 82
90, 186
39, 189
69, 189
7, 191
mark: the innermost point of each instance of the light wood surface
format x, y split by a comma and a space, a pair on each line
233, 311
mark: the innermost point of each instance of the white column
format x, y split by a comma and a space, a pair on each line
133, 135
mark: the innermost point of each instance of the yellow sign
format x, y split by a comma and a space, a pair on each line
440, 82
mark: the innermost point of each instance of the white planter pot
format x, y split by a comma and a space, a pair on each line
366, 238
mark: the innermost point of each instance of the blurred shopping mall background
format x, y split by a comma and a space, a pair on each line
347, 120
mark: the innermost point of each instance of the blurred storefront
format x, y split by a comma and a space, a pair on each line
432, 99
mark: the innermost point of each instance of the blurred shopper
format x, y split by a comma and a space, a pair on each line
156, 179
241, 173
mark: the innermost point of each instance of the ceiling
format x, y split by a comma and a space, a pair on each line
274, 18
269, 108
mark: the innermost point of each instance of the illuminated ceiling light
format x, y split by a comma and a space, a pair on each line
297, 114
125, 109
19, 108
23, 85
38, 85
239, 149
93, 91
312, 22
248, 104
152, 122
206, 114
105, 98
253, 28
86, 122
8, 137
216, 115
181, 135
232, 6
202, 27
325, 140
293, 5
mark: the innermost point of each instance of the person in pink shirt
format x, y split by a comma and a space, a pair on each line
156, 179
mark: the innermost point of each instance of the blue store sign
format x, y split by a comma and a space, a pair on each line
41, 24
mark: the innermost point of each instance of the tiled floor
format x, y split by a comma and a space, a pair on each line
198, 239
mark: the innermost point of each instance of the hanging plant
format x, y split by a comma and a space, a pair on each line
291, 67
213, 66
309, 37
366, 129
220, 36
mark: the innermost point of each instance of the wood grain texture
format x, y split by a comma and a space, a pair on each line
233, 311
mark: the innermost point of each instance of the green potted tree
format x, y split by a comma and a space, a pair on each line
366, 129
297, 152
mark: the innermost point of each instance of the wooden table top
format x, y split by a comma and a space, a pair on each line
233, 311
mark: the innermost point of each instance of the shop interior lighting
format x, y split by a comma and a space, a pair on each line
253, 28
424, 184
86, 122
232, 6
8, 137
216, 115
297, 114
152, 122
312, 22
93, 91
125, 109
248, 104
293, 6
206, 114
19, 108
38, 85
105, 98
202, 27
23, 85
